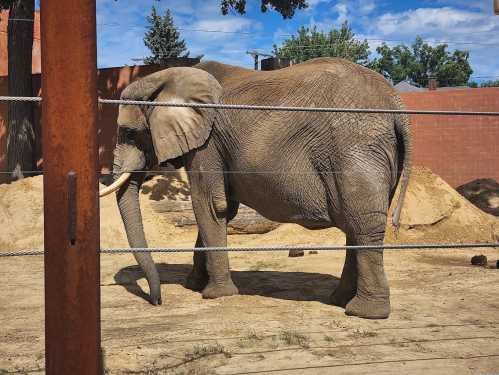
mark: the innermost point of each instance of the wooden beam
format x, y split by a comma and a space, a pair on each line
71, 205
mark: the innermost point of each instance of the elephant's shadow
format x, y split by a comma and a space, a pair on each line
296, 286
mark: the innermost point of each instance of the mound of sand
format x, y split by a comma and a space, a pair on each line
433, 212
21, 219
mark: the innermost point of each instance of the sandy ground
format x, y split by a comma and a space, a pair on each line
444, 318
444, 311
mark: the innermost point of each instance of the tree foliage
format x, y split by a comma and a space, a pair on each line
494, 83
20, 134
286, 8
163, 38
6, 4
311, 43
421, 61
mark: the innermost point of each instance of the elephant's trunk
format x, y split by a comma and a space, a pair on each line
128, 203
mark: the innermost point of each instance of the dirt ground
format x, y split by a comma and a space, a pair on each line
444, 311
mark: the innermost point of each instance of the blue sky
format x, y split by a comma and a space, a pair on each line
465, 24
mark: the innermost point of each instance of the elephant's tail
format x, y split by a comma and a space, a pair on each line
402, 129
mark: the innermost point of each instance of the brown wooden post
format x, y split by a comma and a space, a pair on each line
71, 205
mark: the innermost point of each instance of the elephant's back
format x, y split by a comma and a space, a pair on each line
323, 82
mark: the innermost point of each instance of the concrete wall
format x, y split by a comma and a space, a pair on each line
457, 148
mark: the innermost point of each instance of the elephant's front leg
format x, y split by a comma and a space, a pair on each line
213, 233
210, 206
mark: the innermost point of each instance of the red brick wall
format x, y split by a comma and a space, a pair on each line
457, 148
110, 84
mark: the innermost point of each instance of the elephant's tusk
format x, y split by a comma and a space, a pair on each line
115, 185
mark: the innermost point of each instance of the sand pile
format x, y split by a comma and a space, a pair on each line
21, 219
433, 212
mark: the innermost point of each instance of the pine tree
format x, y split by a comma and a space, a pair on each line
163, 38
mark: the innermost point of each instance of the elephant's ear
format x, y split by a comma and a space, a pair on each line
178, 130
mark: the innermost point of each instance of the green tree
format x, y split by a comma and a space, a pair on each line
490, 84
163, 38
20, 136
421, 61
310, 43
286, 8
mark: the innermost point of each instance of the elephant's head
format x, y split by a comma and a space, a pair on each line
151, 134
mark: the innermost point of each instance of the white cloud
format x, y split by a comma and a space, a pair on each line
435, 20
464, 29
342, 10
121, 27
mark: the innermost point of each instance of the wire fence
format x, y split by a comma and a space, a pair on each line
315, 366
246, 107
268, 108
273, 248
265, 108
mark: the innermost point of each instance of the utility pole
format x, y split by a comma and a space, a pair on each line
255, 55
70, 188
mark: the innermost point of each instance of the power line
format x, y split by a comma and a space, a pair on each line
252, 33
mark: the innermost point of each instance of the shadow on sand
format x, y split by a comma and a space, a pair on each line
296, 286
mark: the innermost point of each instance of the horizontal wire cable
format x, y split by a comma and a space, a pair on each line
21, 253
20, 99
176, 172
298, 109
272, 248
360, 363
273, 108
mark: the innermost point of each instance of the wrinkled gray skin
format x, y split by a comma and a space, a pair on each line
318, 170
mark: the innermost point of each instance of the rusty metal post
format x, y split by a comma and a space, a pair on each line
71, 205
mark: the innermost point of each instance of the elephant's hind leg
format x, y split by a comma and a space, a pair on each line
347, 287
372, 298
198, 277
364, 202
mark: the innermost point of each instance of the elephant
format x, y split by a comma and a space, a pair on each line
318, 170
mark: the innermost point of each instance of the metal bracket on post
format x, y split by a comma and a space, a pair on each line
72, 207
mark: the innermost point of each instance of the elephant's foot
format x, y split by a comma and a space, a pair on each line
296, 253
378, 308
342, 295
214, 290
196, 281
